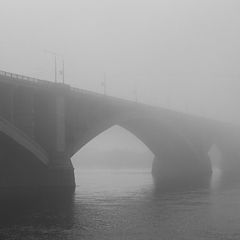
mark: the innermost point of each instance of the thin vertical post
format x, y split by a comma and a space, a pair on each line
104, 84
63, 72
136, 95
55, 63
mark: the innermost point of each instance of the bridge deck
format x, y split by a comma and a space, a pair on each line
25, 80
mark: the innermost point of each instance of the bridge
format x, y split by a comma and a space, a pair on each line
43, 124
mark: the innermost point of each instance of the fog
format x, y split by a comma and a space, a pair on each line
182, 55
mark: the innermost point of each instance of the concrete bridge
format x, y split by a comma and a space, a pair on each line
43, 124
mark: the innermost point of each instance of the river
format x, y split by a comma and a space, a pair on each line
111, 204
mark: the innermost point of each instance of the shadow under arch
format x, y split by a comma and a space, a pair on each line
20, 138
23, 161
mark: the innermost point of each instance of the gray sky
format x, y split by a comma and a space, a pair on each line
180, 54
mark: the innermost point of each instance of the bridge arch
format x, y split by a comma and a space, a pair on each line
14, 134
176, 155
23, 162
147, 129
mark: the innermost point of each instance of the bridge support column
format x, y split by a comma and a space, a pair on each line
185, 168
61, 171
230, 160
61, 177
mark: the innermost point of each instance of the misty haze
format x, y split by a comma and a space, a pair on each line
120, 119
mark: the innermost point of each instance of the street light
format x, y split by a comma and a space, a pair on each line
62, 72
135, 92
103, 83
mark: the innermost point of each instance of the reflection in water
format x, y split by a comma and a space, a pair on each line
122, 205
216, 179
35, 212
183, 185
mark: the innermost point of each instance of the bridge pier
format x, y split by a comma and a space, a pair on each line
183, 169
60, 172
60, 177
19, 168
230, 160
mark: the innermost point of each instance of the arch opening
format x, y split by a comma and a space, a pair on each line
115, 148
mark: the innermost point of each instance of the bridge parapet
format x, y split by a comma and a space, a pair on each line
20, 77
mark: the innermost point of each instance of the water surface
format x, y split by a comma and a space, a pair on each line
123, 205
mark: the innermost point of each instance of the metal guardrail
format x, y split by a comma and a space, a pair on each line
74, 89
104, 96
18, 76
24, 78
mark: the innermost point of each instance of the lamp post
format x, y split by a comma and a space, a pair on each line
135, 95
103, 83
62, 72
55, 63
135, 92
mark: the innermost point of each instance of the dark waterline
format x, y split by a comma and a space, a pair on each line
122, 205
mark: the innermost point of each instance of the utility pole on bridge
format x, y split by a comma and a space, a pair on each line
62, 72
103, 84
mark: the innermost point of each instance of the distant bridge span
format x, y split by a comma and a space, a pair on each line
43, 124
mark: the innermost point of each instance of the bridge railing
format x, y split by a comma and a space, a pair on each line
26, 79
18, 76
103, 96
78, 90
